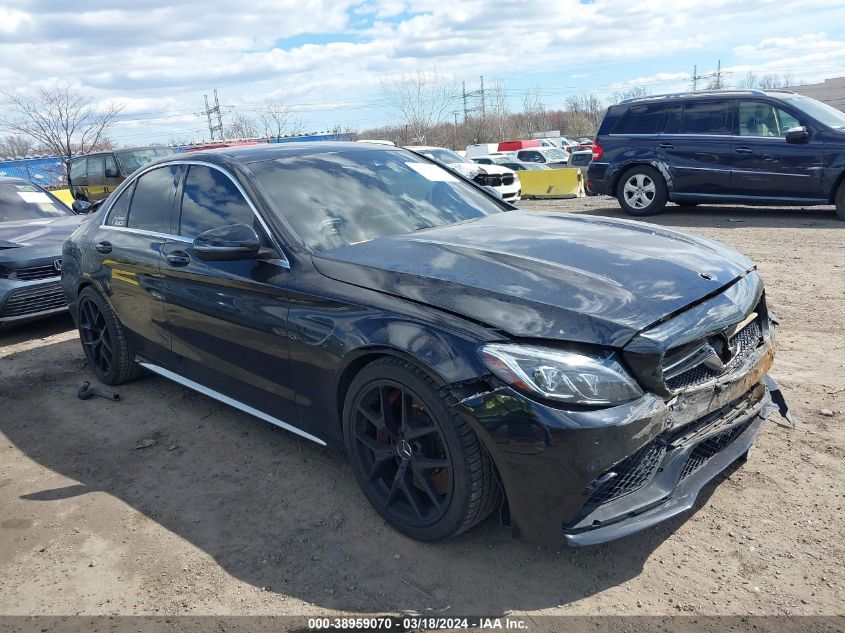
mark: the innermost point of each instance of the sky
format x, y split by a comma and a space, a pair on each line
327, 59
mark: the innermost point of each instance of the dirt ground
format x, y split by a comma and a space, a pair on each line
225, 514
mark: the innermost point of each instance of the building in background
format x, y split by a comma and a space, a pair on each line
830, 91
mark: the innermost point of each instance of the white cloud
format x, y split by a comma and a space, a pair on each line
161, 57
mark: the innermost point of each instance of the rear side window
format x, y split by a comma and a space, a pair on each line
152, 202
210, 199
120, 209
644, 119
708, 117
77, 168
96, 167
111, 167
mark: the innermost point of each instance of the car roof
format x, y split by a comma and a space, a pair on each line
120, 150
702, 94
271, 151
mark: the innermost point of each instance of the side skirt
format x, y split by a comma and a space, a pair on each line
166, 373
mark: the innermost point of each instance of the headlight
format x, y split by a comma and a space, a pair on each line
589, 379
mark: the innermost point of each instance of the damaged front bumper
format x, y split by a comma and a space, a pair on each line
588, 477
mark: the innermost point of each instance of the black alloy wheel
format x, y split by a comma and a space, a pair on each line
107, 348
403, 453
422, 469
95, 336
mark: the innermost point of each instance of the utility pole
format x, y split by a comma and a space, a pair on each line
719, 74
456, 129
464, 91
694, 78
208, 112
483, 112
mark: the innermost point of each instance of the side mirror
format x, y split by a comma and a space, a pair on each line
81, 206
227, 243
798, 134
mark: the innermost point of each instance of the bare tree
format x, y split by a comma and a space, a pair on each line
16, 145
274, 119
59, 118
239, 125
534, 118
501, 126
749, 81
424, 101
636, 92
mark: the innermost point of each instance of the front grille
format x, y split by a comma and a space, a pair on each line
32, 273
25, 301
631, 474
507, 179
743, 342
707, 449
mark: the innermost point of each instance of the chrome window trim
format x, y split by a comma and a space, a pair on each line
283, 261
237, 404
164, 236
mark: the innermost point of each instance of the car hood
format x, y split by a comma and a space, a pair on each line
550, 276
497, 169
38, 232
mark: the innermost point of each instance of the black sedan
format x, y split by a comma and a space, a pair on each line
591, 375
33, 226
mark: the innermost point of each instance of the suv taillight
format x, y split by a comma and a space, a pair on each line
597, 150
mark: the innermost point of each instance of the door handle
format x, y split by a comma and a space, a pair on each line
743, 150
665, 146
103, 247
178, 258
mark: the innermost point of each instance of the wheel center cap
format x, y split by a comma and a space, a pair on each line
404, 449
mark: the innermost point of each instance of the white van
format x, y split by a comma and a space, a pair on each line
482, 149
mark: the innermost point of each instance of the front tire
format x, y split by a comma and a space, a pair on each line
642, 191
419, 465
840, 201
107, 349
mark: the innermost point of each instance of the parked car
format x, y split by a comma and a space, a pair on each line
730, 146
33, 225
544, 155
94, 176
591, 373
510, 162
501, 179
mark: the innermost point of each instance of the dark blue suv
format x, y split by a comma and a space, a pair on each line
724, 146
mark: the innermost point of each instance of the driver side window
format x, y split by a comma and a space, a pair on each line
762, 119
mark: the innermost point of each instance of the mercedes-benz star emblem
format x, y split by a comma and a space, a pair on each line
404, 449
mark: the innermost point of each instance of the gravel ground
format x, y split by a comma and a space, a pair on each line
224, 514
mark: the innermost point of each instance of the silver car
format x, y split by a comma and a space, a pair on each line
33, 226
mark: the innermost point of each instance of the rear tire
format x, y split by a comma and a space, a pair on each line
107, 349
642, 191
840, 201
417, 462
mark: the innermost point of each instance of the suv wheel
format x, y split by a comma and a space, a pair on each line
419, 465
840, 201
641, 191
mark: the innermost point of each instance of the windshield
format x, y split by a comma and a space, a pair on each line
137, 158
821, 112
20, 201
343, 197
555, 154
444, 156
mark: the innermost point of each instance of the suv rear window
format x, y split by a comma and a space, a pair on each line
708, 117
77, 168
644, 119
